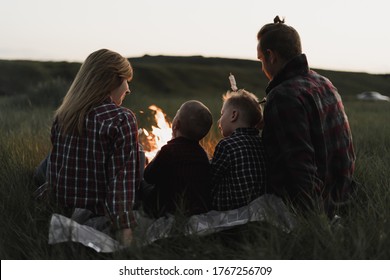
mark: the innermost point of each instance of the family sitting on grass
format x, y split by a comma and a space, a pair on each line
300, 150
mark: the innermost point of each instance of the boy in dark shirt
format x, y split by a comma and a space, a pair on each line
180, 172
238, 165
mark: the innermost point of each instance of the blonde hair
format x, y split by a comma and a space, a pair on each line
101, 72
248, 103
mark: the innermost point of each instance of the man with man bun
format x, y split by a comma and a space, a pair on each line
306, 132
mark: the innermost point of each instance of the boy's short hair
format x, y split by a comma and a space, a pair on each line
196, 120
248, 103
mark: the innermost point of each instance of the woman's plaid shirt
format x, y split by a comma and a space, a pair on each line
238, 169
99, 170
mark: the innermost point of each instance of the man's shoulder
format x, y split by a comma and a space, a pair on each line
291, 92
301, 88
293, 84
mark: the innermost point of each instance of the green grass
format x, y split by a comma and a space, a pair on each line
25, 119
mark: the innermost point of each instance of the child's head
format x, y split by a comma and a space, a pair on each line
193, 120
240, 109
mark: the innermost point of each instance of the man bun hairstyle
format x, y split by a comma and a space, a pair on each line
278, 20
281, 38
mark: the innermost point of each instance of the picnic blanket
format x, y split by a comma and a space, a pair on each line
267, 208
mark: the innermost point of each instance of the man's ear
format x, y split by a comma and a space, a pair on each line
273, 56
234, 115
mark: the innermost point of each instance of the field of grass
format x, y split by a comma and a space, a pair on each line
25, 118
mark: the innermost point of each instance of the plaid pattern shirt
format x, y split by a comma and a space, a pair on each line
307, 136
99, 170
238, 169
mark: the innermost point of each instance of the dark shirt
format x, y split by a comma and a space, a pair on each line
307, 136
238, 169
98, 170
181, 175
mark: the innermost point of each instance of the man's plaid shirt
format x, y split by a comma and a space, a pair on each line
238, 169
99, 170
307, 135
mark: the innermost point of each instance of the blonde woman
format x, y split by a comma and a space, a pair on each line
94, 162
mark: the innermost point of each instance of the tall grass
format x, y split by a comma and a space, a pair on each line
25, 120
363, 233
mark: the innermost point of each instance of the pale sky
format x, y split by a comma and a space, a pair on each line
347, 35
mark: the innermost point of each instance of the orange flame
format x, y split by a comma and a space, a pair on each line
159, 136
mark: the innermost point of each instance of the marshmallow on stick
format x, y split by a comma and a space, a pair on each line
233, 84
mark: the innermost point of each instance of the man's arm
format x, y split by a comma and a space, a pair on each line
288, 144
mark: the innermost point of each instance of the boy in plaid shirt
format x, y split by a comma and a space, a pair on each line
238, 165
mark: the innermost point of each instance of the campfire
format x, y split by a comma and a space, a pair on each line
158, 136
153, 140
